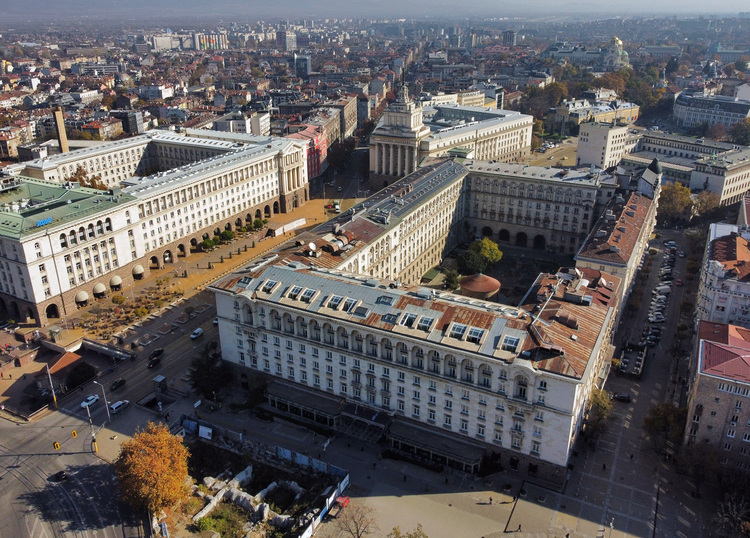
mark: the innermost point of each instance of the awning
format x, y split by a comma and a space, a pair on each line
138, 270
115, 281
82, 297
100, 288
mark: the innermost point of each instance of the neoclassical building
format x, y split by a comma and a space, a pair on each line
409, 133
439, 376
62, 245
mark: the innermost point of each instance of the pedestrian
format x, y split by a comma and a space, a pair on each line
604, 466
631, 457
1, 375
404, 478
519, 528
490, 500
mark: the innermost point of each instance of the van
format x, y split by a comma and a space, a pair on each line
662, 290
337, 206
119, 406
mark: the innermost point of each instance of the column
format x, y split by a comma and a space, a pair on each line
381, 160
399, 160
390, 159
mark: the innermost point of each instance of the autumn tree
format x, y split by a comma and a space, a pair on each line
739, 133
706, 201
674, 203
94, 182
357, 521
733, 515
151, 469
208, 372
488, 250
716, 131
600, 408
416, 533
664, 424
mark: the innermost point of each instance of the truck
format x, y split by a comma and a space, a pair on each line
338, 506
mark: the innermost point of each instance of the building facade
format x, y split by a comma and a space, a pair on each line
694, 110
603, 145
726, 174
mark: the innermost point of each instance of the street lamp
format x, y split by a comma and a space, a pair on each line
106, 406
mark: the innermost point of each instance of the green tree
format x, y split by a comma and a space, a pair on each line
674, 202
488, 250
452, 279
471, 263
739, 133
151, 469
600, 408
207, 244
118, 299
416, 533
208, 372
664, 424
227, 235
258, 224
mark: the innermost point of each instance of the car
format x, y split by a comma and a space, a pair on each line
119, 406
678, 282
156, 353
621, 397
682, 254
116, 384
216, 321
197, 333
332, 183
154, 362
339, 189
61, 476
90, 400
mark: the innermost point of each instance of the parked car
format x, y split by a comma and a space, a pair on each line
197, 333
116, 384
621, 397
682, 254
156, 353
216, 321
90, 400
61, 476
154, 362
678, 282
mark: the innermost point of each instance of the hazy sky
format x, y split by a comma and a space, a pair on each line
293, 9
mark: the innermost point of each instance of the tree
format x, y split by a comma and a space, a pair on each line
739, 133
227, 235
471, 263
357, 521
733, 514
452, 279
600, 408
258, 224
706, 201
208, 372
664, 424
118, 299
716, 131
488, 250
81, 176
151, 469
674, 202
416, 533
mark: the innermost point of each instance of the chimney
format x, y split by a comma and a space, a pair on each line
62, 137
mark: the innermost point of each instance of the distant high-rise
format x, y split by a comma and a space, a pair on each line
509, 38
286, 40
62, 136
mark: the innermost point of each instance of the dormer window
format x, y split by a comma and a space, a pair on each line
510, 343
268, 286
475, 335
308, 295
425, 323
335, 302
349, 304
408, 320
458, 330
294, 292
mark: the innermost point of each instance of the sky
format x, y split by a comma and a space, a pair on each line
242, 11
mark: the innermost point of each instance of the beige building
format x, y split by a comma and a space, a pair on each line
726, 174
602, 144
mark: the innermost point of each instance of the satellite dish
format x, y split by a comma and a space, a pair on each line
312, 246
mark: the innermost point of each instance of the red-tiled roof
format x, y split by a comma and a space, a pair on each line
726, 350
733, 252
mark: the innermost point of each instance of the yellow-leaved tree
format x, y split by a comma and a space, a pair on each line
151, 469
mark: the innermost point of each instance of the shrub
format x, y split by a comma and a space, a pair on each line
118, 299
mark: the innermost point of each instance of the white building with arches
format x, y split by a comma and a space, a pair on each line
440, 376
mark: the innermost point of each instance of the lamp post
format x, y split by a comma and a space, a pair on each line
106, 405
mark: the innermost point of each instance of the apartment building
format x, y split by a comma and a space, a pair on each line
602, 145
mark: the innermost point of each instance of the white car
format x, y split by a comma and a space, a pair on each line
197, 333
90, 400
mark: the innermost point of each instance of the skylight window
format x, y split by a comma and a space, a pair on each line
510, 343
408, 320
475, 335
384, 299
294, 292
268, 286
390, 318
458, 331
308, 295
425, 323
335, 301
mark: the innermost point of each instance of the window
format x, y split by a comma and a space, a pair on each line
542, 385
268, 286
480, 430
510, 343
464, 425
448, 404
425, 323
401, 376
535, 446
447, 421
431, 415
731, 433
408, 320
458, 330
349, 304
415, 411
295, 291
335, 301
475, 335
308, 295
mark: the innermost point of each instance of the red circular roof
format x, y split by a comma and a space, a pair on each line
480, 283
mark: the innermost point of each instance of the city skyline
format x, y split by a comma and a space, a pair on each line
290, 9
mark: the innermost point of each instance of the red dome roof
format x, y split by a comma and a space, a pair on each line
480, 284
